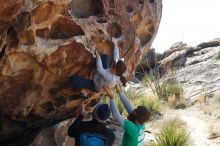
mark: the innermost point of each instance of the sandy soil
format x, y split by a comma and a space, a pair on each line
201, 120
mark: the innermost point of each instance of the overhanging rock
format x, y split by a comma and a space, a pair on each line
42, 43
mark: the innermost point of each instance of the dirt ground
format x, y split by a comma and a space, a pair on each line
202, 120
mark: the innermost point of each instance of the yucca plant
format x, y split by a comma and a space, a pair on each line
168, 89
173, 133
174, 89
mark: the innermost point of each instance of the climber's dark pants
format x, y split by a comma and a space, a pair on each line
82, 83
105, 61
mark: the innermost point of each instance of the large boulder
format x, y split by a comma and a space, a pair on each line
42, 43
177, 58
212, 43
177, 55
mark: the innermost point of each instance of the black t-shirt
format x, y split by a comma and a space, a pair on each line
91, 133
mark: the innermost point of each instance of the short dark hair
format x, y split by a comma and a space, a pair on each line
121, 67
141, 114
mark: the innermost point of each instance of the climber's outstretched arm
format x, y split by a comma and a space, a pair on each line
126, 102
115, 112
106, 75
116, 54
114, 109
116, 50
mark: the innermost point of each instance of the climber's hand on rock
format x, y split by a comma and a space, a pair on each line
109, 92
115, 42
97, 53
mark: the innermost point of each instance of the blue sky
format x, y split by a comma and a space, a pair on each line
190, 21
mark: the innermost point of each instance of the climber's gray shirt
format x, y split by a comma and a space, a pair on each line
104, 77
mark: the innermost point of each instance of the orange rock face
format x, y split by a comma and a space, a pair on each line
43, 43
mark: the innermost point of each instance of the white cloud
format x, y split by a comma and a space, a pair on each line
190, 21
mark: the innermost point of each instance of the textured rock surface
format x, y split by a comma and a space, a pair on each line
42, 43
201, 74
176, 56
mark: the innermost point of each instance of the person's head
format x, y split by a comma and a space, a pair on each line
101, 113
121, 67
140, 115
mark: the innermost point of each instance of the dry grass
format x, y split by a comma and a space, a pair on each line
172, 101
173, 94
166, 87
163, 90
203, 99
154, 104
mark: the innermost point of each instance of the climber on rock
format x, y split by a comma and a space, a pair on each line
93, 133
105, 75
134, 126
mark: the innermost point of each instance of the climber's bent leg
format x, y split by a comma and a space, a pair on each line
82, 83
105, 61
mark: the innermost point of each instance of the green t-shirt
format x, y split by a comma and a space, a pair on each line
133, 134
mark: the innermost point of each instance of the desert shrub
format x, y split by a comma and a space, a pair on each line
163, 89
137, 98
149, 79
173, 133
154, 104
162, 81
173, 89
166, 90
